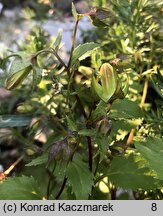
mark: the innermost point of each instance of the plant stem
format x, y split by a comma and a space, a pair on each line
130, 137
52, 51
144, 93
62, 188
7, 172
59, 58
49, 182
100, 178
145, 90
90, 152
73, 43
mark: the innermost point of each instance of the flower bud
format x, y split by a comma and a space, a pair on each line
109, 81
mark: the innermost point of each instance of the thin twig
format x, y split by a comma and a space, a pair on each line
7, 172
49, 182
73, 43
52, 51
90, 152
131, 135
144, 93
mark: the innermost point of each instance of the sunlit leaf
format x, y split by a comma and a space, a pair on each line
152, 150
83, 51
125, 109
20, 188
131, 173
17, 78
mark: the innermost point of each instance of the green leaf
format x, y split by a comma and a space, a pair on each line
121, 127
74, 12
100, 110
14, 120
57, 42
80, 178
125, 124
83, 51
103, 143
87, 132
39, 160
152, 150
17, 78
158, 86
98, 88
71, 123
131, 173
20, 69
20, 64
125, 109
20, 188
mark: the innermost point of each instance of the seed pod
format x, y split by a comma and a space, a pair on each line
61, 150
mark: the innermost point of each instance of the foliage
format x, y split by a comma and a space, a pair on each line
101, 112
20, 188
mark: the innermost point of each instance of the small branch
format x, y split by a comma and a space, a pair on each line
131, 135
73, 43
49, 182
59, 59
7, 172
113, 193
81, 106
52, 51
90, 152
144, 93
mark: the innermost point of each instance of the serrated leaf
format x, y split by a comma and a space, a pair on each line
125, 109
20, 188
39, 160
100, 110
87, 132
158, 88
71, 124
83, 51
80, 178
152, 150
14, 120
125, 124
131, 173
103, 143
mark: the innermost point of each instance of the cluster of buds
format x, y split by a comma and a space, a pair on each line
109, 88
